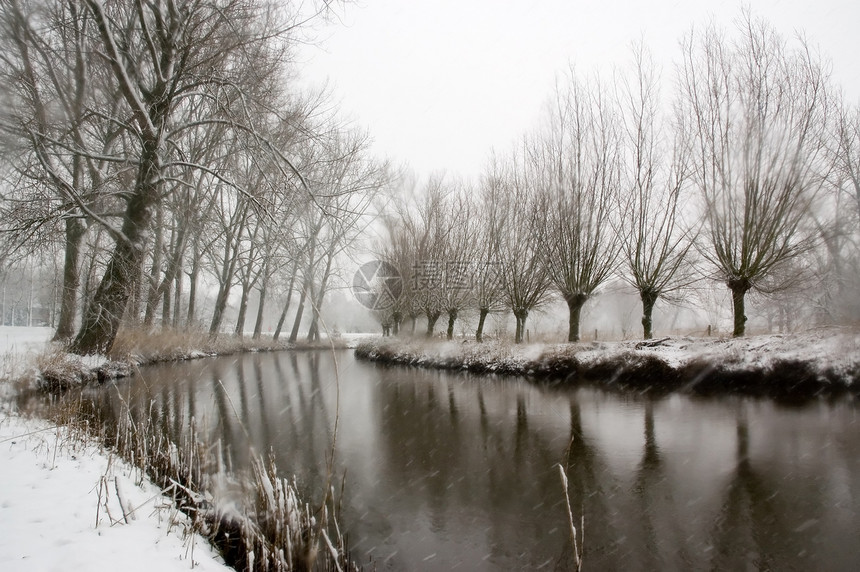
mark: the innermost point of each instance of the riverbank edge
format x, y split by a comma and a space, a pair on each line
284, 524
58, 370
57, 477
700, 367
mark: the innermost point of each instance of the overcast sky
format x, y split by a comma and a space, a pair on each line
440, 82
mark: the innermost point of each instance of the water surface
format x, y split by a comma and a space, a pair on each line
453, 471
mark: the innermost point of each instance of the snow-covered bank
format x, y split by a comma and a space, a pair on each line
823, 361
60, 508
265, 525
28, 355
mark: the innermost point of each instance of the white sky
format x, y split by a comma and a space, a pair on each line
440, 82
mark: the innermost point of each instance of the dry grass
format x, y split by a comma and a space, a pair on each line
270, 528
710, 367
145, 346
58, 370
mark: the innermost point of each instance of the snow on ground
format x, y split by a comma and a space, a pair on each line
50, 513
830, 352
831, 347
52, 518
20, 345
353, 339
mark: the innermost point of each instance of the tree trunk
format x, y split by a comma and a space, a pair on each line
287, 303
172, 277
258, 323
135, 305
739, 288
75, 231
307, 282
228, 272
431, 322
317, 302
520, 316
177, 297
220, 307
243, 310
452, 317
166, 307
191, 316
649, 298
482, 317
294, 333
153, 291
575, 302
102, 318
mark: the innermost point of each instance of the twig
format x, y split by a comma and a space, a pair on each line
331, 548
122, 501
576, 555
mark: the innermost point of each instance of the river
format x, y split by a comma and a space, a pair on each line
453, 471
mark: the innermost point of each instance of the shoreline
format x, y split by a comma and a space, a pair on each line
238, 537
70, 503
785, 367
60, 371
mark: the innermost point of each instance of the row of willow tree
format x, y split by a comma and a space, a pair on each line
750, 177
160, 145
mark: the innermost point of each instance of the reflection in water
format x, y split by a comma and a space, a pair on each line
445, 470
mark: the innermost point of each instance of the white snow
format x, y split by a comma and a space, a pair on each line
60, 509
827, 349
51, 516
19, 347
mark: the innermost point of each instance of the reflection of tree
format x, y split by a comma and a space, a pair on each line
478, 458
521, 431
287, 411
317, 401
588, 480
225, 416
422, 442
244, 410
750, 527
263, 417
465, 460
663, 544
452, 404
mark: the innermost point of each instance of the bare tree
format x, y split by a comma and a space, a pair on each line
837, 220
159, 59
425, 221
509, 187
460, 248
653, 242
578, 164
398, 249
56, 109
847, 155
489, 294
755, 108
349, 185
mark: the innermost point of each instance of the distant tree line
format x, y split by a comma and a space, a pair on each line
161, 145
751, 177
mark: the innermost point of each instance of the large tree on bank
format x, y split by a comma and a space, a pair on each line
654, 243
161, 59
579, 165
756, 109
104, 99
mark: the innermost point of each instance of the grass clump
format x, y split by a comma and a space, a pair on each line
256, 519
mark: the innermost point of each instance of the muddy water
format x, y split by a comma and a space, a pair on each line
446, 471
